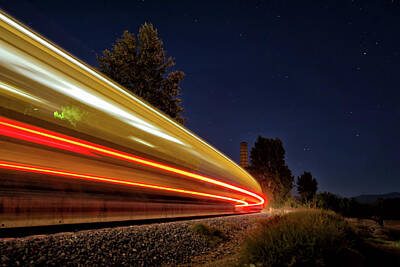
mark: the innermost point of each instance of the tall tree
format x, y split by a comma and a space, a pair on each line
307, 186
268, 166
141, 65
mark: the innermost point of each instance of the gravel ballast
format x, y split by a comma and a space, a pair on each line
172, 243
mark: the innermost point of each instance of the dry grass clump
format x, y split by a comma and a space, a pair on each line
303, 238
209, 233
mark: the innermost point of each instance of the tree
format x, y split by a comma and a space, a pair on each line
141, 66
328, 201
268, 166
307, 186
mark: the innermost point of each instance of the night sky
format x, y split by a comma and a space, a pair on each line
321, 75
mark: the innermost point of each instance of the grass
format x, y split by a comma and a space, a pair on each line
387, 243
303, 238
209, 233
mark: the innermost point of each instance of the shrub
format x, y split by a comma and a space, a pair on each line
303, 238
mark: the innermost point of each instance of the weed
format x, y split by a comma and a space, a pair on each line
209, 233
304, 238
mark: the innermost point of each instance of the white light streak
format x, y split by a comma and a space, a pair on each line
141, 141
51, 79
18, 92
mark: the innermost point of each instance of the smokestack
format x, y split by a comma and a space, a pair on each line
244, 161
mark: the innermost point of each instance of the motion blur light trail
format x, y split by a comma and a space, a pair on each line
63, 119
33, 134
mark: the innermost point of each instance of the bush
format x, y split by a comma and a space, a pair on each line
381, 209
303, 238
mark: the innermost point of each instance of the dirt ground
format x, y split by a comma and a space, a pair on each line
381, 242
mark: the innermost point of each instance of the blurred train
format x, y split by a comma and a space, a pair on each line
76, 147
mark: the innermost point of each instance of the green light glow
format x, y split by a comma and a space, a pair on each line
71, 114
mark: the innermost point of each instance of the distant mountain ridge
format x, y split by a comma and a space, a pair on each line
372, 198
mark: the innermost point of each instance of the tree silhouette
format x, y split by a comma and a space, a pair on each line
141, 66
268, 166
307, 186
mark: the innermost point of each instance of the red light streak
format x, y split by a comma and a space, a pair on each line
37, 135
18, 134
41, 170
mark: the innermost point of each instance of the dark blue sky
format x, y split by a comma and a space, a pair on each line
321, 75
